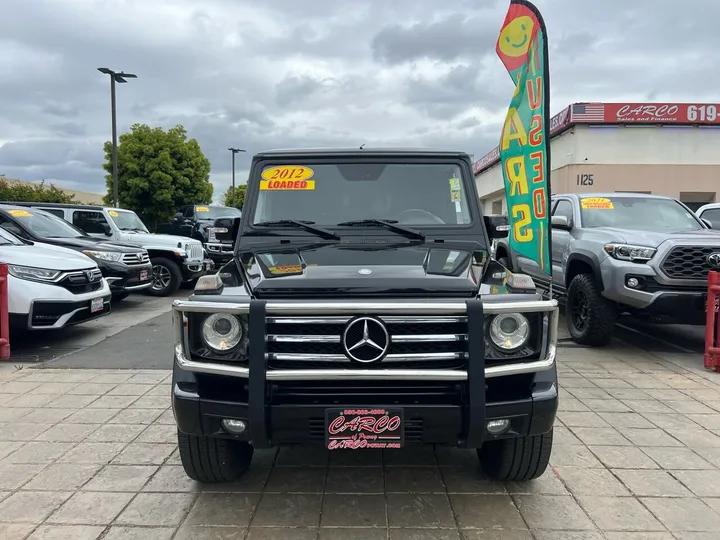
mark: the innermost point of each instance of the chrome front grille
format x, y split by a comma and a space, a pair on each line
688, 262
81, 282
194, 251
136, 259
219, 248
415, 341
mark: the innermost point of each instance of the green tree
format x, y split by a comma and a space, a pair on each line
158, 171
21, 192
227, 199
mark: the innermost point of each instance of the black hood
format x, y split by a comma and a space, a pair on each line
365, 269
90, 242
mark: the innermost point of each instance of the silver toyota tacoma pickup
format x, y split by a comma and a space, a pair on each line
619, 254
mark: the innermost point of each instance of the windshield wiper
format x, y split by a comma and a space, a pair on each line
389, 223
307, 225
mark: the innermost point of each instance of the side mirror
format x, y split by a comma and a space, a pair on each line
178, 216
707, 222
497, 226
107, 229
560, 222
226, 229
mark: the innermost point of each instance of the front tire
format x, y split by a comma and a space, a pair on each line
166, 277
590, 317
505, 262
212, 461
517, 459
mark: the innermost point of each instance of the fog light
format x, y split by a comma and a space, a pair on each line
632, 282
236, 427
498, 427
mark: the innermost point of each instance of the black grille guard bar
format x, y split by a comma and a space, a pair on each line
377, 308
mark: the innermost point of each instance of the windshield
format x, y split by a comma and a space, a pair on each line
46, 225
216, 212
328, 194
8, 239
127, 221
637, 213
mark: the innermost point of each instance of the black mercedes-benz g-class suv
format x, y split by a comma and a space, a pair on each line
361, 311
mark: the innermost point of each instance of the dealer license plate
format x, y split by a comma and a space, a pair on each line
96, 304
143, 275
359, 429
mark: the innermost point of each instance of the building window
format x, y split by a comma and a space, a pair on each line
695, 199
497, 207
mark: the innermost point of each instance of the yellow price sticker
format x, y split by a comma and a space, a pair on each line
113, 213
596, 203
288, 172
20, 213
202, 209
287, 185
286, 269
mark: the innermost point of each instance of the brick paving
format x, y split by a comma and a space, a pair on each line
90, 454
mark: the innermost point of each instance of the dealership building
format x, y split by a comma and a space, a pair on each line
668, 149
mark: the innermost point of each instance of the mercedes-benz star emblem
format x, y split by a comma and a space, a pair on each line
366, 340
714, 260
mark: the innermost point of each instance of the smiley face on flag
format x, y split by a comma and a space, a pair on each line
517, 35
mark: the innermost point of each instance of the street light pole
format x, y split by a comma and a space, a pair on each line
234, 151
120, 77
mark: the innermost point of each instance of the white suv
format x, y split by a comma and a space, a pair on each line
175, 259
51, 287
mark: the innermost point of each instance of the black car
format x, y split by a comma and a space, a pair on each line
362, 311
196, 221
127, 268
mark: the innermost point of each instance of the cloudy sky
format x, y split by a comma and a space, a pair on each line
281, 73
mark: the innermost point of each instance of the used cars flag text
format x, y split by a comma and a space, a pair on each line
524, 144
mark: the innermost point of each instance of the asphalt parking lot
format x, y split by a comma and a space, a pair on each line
138, 311
90, 452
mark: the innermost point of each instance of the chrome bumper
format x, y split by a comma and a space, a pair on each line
379, 308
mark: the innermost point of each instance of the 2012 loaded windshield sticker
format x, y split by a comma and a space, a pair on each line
596, 203
202, 209
113, 213
287, 178
20, 213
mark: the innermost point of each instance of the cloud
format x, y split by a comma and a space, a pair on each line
447, 39
271, 74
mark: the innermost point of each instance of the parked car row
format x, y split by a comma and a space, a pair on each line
67, 262
51, 286
618, 254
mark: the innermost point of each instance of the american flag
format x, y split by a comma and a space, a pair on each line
588, 112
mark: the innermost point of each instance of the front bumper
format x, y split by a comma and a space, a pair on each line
40, 306
657, 297
125, 278
441, 406
194, 269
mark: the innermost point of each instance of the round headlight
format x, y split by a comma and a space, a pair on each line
509, 331
222, 332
